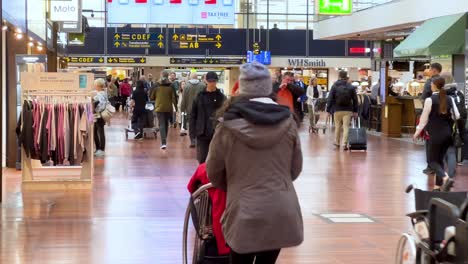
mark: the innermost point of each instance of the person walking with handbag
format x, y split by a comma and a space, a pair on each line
255, 156
100, 100
139, 100
314, 92
165, 98
191, 91
438, 117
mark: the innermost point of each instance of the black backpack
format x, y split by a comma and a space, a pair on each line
460, 103
343, 96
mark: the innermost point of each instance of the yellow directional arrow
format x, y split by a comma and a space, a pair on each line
124, 44
116, 60
117, 36
205, 61
160, 44
243, 61
160, 37
109, 60
172, 61
175, 37
142, 60
211, 61
68, 59
218, 45
101, 60
116, 44
218, 37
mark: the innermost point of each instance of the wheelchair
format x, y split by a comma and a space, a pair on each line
204, 243
440, 230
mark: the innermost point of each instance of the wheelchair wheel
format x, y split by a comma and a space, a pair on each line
406, 250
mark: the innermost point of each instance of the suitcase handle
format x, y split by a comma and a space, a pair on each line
354, 122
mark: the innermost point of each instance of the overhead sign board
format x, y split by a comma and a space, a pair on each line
65, 10
85, 60
192, 12
195, 41
334, 7
139, 40
208, 61
126, 60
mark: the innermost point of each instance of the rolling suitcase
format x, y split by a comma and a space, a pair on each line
357, 136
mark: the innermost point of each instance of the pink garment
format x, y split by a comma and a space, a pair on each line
125, 89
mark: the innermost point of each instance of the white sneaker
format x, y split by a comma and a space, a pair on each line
99, 153
163, 146
183, 132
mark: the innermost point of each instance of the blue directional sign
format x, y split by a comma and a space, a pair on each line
264, 57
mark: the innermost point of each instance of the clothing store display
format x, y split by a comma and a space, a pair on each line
55, 134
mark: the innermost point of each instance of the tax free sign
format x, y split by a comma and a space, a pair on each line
334, 7
65, 10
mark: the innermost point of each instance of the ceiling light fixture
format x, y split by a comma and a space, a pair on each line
19, 35
31, 44
39, 48
5, 27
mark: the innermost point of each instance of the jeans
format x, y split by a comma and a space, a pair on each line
99, 135
138, 120
267, 257
203, 146
312, 119
437, 150
342, 122
163, 120
451, 160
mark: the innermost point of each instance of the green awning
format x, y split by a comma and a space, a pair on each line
438, 36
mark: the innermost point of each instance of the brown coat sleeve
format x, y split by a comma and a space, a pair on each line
296, 166
215, 162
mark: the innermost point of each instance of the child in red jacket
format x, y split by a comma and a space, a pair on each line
218, 200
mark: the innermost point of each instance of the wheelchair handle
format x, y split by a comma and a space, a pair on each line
439, 204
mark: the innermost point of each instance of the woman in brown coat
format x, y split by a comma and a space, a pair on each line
255, 156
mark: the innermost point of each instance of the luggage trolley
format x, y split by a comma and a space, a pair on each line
149, 128
440, 230
320, 106
199, 210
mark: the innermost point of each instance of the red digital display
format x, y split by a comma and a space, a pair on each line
141, 1
357, 50
175, 1
210, 2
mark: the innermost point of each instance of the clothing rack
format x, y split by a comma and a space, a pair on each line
58, 88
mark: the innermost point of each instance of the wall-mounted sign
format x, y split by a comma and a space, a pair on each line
264, 57
208, 61
196, 41
85, 60
334, 7
65, 10
139, 40
126, 60
193, 12
306, 63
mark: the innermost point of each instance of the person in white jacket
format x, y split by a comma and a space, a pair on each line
314, 92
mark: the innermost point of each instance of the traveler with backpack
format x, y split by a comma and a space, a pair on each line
455, 152
343, 104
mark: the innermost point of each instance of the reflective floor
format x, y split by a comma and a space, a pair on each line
134, 214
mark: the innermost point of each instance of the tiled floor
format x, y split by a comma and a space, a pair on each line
134, 214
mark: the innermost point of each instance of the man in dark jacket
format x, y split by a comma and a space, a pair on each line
165, 97
202, 118
435, 70
343, 102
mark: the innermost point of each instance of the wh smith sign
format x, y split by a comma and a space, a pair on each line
65, 10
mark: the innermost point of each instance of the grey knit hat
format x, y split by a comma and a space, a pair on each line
255, 80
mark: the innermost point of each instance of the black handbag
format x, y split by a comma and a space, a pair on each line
457, 140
